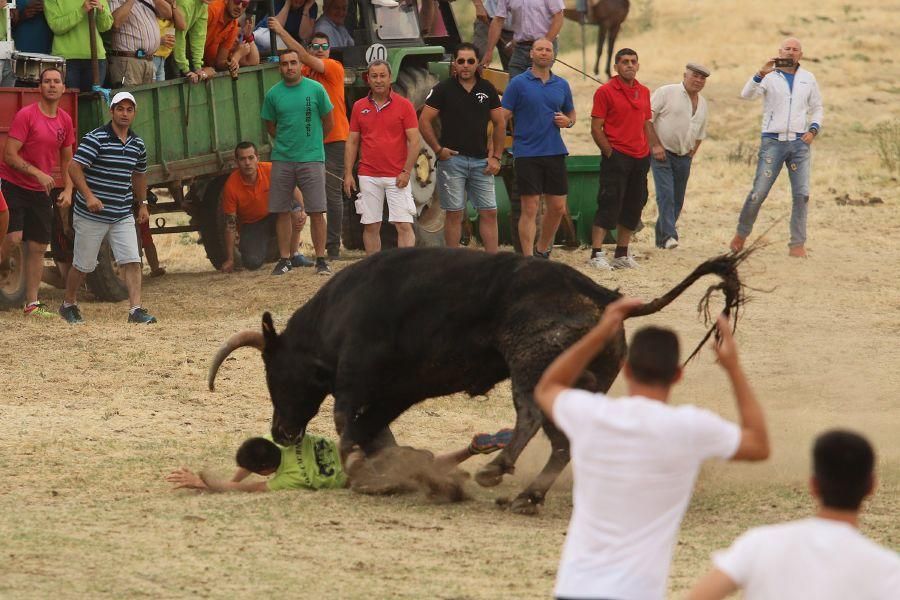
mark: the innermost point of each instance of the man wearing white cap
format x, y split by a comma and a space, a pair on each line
109, 172
677, 128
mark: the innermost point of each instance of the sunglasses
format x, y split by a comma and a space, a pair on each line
466, 61
324, 46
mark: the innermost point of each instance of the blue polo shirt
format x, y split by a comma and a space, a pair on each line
533, 104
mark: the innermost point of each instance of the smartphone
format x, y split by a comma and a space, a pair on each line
784, 63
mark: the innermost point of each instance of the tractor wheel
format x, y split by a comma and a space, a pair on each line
105, 282
12, 279
210, 220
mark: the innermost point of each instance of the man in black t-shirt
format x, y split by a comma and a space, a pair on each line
466, 163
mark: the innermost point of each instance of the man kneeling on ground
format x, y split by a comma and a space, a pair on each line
245, 205
313, 464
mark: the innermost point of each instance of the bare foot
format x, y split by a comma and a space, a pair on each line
737, 243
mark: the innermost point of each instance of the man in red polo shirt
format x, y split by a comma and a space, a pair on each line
245, 205
222, 51
384, 124
619, 122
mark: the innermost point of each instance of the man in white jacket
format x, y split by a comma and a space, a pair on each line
792, 117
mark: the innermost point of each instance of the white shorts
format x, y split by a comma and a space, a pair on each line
370, 203
89, 235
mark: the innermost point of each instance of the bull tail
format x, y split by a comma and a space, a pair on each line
725, 267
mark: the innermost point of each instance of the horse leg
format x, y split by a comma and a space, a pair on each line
532, 497
601, 37
613, 34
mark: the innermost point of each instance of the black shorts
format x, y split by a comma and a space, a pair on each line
30, 212
623, 191
536, 175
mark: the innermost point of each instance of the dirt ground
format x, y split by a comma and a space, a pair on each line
92, 418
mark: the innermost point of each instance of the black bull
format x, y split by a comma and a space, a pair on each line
406, 325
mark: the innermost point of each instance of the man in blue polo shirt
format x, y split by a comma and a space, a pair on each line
109, 172
541, 104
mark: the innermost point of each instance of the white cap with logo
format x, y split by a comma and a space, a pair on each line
122, 96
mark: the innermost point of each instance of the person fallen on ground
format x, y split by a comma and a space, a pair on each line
245, 206
223, 50
109, 171
41, 138
384, 133
635, 459
823, 557
792, 117
319, 66
314, 463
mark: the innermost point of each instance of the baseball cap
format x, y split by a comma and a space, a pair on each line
122, 96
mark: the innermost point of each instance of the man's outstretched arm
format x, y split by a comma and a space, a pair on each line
185, 478
568, 366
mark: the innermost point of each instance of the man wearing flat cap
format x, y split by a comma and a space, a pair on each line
678, 127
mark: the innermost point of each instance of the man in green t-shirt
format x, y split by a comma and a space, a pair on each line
313, 464
298, 115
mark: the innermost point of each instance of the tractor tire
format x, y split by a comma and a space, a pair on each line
12, 279
211, 221
105, 283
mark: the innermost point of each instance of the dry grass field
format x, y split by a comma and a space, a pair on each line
92, 418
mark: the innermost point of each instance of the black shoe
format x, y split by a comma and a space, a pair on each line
282, 266
544, 255
322, 268
298, 260
140, 315
71, 314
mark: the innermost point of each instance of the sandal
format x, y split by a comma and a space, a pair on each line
487, 443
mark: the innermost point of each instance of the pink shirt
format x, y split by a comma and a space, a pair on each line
42, 138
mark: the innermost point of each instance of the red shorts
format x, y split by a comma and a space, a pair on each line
3, 207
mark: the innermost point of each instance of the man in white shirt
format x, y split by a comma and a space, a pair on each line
824, 557
677, 128
635, 459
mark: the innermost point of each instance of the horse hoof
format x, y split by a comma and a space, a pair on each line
489, 476
523, 505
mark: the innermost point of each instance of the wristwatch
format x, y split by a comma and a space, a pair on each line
571, 124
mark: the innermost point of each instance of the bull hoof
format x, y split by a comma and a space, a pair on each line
523, 505
489, 476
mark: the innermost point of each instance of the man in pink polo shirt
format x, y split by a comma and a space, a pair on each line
384, 128
41, 137
619, 122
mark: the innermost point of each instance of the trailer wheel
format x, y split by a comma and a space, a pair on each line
105, 282
211, 222
12, 279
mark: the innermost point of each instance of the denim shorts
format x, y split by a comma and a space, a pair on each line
462, 177
89, 235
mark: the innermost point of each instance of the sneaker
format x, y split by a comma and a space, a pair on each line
544, 255
737, 243
386, 3
71, 314
282, 266
322, 268
670, 244
38, 310
298, 260
599, 262
140, 315
487, 443
624, 262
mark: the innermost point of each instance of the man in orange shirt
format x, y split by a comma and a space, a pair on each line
222, 51
245, 203
330, 73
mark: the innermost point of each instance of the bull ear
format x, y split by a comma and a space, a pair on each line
269, 334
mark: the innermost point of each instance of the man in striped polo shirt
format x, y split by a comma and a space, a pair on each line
109, 172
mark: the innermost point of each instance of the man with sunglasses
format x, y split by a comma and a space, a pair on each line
220, 52
465, 164
330, 73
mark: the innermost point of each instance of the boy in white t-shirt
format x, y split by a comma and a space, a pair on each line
635, 459
823, 557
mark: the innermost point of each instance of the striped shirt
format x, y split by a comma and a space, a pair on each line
108, 165
140, 31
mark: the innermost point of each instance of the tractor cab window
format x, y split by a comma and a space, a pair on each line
400, 23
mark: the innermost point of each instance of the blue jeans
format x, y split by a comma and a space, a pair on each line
671, 177
772, 155
461, 177
159, 65
78, 73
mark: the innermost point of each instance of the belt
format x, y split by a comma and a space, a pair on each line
525, 43
123, 54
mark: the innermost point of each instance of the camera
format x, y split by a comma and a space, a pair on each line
784, 63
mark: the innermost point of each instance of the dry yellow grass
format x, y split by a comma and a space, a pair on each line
92, 418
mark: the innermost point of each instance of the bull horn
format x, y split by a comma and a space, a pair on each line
248, 337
